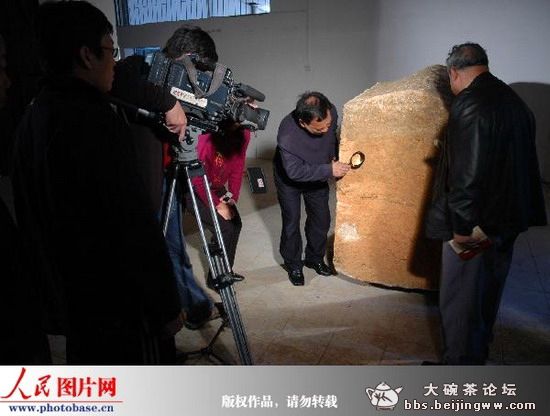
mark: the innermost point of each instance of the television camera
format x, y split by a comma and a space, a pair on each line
208, 97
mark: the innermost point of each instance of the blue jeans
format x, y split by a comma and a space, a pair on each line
190, 293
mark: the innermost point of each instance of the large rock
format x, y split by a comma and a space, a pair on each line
380, 206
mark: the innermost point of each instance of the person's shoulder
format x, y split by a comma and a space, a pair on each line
468, 98
74, 100
483, 93
287, 120
288, 125
205, 142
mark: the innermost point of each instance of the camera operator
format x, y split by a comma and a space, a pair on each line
130, 85
82, 207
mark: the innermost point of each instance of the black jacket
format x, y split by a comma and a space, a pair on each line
489, 174
131, 85
83, 210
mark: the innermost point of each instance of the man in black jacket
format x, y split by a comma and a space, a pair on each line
25, 342
488, 179
82, 208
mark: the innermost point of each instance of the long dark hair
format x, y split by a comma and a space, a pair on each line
229, 140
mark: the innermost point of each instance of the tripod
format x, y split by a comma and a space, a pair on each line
184, 157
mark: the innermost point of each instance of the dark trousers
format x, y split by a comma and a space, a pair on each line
24, 341
469, 298
230, 229
118, 346
193, 298
317, 222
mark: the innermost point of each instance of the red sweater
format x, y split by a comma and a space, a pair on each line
221, 171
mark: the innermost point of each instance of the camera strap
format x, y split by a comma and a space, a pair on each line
217, 77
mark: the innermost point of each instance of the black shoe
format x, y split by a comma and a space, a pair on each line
198, 315
319, 267
210, 281
296, 277
218, 311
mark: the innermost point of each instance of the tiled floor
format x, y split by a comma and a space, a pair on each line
336, 320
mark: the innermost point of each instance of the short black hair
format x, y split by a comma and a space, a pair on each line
63, 27
465, 55
192, 39
312, 106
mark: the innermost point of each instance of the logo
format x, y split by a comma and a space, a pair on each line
383, 397
188, 97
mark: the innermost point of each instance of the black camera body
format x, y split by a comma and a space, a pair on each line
208, 97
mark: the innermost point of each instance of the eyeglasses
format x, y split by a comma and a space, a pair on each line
114, 51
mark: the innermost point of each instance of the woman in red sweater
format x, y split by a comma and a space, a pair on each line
223, 155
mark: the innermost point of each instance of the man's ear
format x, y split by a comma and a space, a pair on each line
454, 74
85, 57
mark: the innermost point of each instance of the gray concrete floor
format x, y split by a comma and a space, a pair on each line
338, 320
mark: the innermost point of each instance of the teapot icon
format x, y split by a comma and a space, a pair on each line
383, 397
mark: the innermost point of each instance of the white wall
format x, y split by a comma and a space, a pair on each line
301, 45
343, 47
414, 34
107, 7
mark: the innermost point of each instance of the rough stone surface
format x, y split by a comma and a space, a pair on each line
380, 206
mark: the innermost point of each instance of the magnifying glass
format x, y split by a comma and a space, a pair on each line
356, 160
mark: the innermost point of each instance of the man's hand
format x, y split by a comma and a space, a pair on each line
225, 211
176, 121
466, 240
339, 169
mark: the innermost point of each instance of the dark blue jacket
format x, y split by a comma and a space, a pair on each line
303, 159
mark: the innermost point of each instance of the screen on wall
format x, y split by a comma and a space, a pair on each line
139, 12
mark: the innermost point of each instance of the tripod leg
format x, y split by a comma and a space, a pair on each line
220, 268
208, 350
235, 322
201, 228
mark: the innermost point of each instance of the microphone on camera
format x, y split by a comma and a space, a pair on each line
250, 92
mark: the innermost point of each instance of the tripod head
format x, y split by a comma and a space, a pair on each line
185, 152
